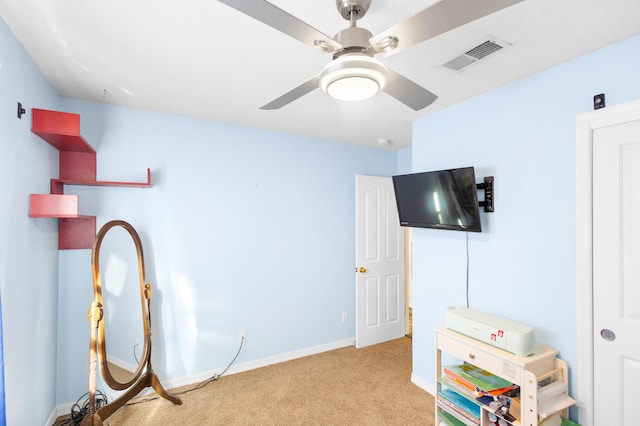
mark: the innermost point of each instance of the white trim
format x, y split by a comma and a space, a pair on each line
54, 415
64, 409
122, 364
264, 362
585, 125
423, 384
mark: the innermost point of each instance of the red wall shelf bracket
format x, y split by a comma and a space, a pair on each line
78, 233
77, 167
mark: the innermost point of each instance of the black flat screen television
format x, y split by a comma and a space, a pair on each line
442, 199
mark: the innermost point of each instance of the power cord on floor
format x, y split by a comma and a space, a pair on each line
80, 409
199, 385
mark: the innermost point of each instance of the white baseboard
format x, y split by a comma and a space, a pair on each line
54, 415
64, 409
423, 384
251, 365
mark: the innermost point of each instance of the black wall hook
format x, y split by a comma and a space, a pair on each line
21, 110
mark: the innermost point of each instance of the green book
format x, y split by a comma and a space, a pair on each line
476, 376
450, 419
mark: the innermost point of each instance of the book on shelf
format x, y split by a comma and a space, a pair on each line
460, 404
478, 380
457, 414
465, 391
450, 419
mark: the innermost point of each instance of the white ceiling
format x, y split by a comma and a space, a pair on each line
202, 59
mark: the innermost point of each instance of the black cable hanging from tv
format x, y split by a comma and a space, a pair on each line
467, 286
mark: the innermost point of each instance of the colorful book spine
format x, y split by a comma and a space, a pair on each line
460, 403
478, 380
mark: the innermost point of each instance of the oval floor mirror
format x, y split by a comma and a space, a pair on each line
120, 317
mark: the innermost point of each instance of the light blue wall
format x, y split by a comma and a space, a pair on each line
522, 265
28, 247
247, 229
404, 161
242, 229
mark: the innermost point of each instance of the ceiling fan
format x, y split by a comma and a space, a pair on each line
354, 73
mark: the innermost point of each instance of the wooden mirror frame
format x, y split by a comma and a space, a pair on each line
144, 376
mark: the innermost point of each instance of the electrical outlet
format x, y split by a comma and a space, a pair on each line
242, 336
344, 317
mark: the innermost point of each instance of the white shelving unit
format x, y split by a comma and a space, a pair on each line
543, 367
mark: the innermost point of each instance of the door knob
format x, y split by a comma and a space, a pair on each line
608, 335
362, 270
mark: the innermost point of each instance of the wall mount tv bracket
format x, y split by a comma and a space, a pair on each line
487, 185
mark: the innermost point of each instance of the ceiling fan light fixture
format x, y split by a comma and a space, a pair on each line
353, 77
353, 88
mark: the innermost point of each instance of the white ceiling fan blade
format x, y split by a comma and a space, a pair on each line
292, 95
408, 92
282, 21
434, 20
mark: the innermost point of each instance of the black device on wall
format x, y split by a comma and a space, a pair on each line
487, 187
442, 199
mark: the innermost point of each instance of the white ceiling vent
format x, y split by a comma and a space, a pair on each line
473, 55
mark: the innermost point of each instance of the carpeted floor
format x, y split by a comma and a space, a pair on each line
348, 386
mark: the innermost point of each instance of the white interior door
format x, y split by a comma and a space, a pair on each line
379, 263
616, 273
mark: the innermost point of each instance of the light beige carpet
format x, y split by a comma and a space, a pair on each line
348, 386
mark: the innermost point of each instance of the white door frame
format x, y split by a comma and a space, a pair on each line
408, 275
585, 125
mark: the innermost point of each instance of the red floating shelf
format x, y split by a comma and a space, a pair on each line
60, 129
54, 205
146, 184
77, 167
